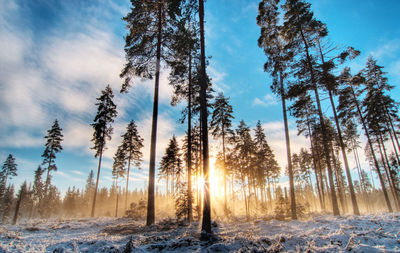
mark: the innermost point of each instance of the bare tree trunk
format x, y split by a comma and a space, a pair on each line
338, 181
190, 214
97, 183
322, 205
127, 180
116, 204
288, 153
206, 223
21, 196
150, 199
223, 151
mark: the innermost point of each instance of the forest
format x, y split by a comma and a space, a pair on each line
223, 172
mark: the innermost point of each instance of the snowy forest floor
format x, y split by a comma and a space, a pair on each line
320, 233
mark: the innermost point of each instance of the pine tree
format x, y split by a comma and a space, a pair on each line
265, 162
69, 201
53, 202
8, 170
53, 138
348, 97
90, 186
38, 189
305, 112
301, 29
275, 49
132, 144
375, 115
149, 24
171, 163
330, 83
221, 127
106, 112
23, 191
118, 171
8, 201
242, 160
184, 59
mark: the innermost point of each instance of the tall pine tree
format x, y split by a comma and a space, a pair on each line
275, 49
53, 138
132, 144
301, 30
221, 127
149, 25
106, 112
8, 170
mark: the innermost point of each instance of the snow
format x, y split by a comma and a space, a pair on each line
319, 233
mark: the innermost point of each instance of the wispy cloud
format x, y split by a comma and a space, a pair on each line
265, 101
388, 49
276, 138
217, 78
68, 176
77, 172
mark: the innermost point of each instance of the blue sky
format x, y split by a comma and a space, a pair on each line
56, 57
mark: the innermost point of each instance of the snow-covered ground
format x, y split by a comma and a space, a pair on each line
321, 233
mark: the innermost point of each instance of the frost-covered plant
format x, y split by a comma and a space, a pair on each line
182, 201
283, 209
137, 210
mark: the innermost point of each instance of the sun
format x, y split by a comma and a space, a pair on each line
216, 187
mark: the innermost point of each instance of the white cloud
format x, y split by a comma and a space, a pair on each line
90, 56
77, 172
20, 139
276, 138
386, 50
217, 78
266, 101
65, 176
77, 136
258, 101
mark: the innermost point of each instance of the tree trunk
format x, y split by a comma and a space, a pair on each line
288, 153
223, 151
190, 214
127, 179
97, 183
321, 180
21, 195
322, 204
245, 198
338, 181
394, 146
389, 206
48, 173
116, 204
335, 207
150, 199
206, 223
356, 210
391, 125
387, 169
